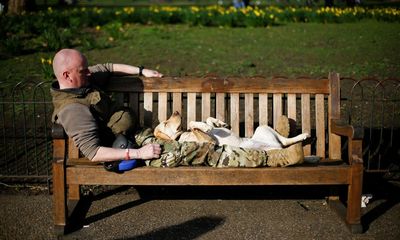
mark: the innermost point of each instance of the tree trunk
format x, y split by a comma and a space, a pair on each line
328, 3
16, 6
351, 3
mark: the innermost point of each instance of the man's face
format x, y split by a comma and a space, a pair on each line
79, 72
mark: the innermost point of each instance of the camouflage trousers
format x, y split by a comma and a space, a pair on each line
176, 154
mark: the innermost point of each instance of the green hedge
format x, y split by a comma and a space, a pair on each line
98, 27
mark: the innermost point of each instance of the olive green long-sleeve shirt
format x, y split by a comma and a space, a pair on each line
78, 120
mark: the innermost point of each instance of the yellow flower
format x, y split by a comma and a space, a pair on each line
129, 10
97, 28
46, 61
195, 9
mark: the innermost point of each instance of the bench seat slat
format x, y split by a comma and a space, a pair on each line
318, 175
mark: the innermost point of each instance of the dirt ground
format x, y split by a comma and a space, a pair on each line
199, 213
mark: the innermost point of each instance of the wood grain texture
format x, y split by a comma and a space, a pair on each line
228, 94
219, 85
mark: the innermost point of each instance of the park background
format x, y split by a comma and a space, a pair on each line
291, 38
269, 38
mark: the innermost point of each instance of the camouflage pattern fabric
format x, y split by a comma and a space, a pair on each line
121, 122
200, 154
241, 157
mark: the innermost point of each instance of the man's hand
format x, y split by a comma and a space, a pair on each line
149, 151
151, 73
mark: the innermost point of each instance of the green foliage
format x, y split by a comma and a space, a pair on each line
50, 30
12, 44
361, 49
115, 30
54, 39
47, 69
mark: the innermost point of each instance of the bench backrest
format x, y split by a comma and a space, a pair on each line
243, 103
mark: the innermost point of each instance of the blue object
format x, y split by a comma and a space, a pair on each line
312, 159
127, 165
121, 166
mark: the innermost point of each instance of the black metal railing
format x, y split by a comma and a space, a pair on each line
26, 149
374, 104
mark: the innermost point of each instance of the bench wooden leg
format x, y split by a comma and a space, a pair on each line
59, 197
74, 192
353, 215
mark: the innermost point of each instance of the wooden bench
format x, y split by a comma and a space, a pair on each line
244, 103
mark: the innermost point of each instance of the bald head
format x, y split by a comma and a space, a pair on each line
68, 65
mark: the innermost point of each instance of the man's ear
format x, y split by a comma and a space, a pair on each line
65, 74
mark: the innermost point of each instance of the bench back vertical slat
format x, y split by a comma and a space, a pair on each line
305, 119
320, 124
205, 106
59, 147
133, 102
263, 108
162, 106
291, 113
220, 106
191, 107
148, 109
249, 114
234, 110
334, 112
73, 151
277, 108
176, 101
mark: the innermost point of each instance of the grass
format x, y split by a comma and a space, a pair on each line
366, 48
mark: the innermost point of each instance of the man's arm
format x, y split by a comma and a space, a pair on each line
80, 125
101, 73
128, 69
149, 151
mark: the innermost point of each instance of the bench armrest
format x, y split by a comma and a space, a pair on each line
57, 132
355, 136
343, 129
